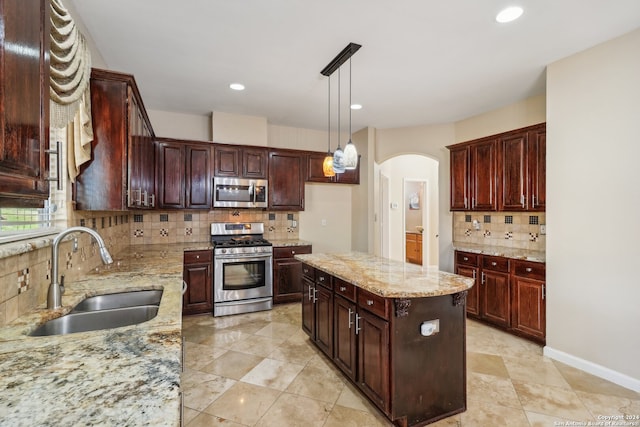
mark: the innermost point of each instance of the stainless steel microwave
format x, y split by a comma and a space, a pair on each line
239, 193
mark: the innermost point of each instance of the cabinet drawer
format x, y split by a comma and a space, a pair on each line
345, 289
467, 258
290, 251
324, 279
191, 257
308, 271
495, 263
531, 270
373, 303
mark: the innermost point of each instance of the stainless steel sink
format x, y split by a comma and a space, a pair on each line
96, 320
119, 300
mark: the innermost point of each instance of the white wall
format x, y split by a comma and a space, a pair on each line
593, 197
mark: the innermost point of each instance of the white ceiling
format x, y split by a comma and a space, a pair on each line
422, 61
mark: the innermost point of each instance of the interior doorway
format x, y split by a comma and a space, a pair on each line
416, 220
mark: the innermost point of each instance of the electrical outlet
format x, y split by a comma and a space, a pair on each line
323, 222
543, 229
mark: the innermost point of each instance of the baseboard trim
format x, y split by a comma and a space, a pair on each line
593, 369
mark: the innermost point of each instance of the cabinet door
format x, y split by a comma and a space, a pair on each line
529, 307
483, 158
171, 175
227, 161
345, 343
287, 285
24, 102
538, 169
496, 302
324, 320
254, 163
513, 171
197, 274
308, 307
373, 354
473, 294
286, 181
198, 176
459, 158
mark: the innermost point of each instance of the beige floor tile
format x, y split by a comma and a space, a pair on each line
541, 420
453, 421
197, 356
539, 371
197, 333
233, 364
273, 374
549, 400
243, 403
352, 398
188, 415
278, 331
320, 383
295, 411
583, 381
294, 351
603, 405
483, 414
341, 416
486, 364
206, 420
201, 389
260, 346
491, 389
224, 339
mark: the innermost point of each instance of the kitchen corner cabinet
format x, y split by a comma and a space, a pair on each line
121, 172
286, 180
508, 293
24, 102
413, 248
315, 173
184, 174
198, 276
287, 273
240, 162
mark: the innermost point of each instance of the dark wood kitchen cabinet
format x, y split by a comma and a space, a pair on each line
240, 162
495, 291
537, 168
529, 299
198, 276
473, 175
345, 341
184, 174
468, 264
315, 173
24, 102
287, 283
286, 180
317, 308
120, 173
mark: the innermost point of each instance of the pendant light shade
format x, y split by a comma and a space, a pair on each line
327, 164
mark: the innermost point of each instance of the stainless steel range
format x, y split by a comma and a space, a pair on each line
242, 269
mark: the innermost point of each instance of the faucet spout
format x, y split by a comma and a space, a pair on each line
54, 297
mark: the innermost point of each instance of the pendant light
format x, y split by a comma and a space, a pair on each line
327, 164
350, 152
338, 155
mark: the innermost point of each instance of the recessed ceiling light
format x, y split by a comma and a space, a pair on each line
356, 107
509, 14
236, 86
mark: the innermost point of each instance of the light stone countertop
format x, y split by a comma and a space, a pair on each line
128, 376
283, 243
514, 253
388, 278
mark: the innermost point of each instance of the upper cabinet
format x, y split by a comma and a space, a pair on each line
286, 180
121, 172
315, 173
504, 172
240, 162
24, 102
184, 174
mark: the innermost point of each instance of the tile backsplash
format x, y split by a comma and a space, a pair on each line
520, 230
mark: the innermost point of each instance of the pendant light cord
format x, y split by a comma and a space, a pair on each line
339, 108
329, 120
349, 99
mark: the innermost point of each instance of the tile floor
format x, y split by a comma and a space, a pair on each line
260, 369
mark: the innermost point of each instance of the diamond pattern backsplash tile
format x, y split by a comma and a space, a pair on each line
508, 229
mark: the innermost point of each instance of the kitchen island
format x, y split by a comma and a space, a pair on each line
396, 330
127, 376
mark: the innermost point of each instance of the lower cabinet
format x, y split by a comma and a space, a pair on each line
412, 379
413, 248
287, 283
198, 275
508, 293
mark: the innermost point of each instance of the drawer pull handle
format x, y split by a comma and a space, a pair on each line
197, 256
321, 278
343, 288
306, 270
369, 302
493, 263
528, 269
293, 252
465, 258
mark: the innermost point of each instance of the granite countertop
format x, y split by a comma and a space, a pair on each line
514, 253
121, 376
281, 243
388, 278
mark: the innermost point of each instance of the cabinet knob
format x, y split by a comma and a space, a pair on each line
321, 278
369, 302
306, 270
343, 288
293, 252
197, 256
465, 258
528, 269
494, 263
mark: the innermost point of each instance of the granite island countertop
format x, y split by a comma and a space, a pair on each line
388, 278
128, 376
514, 253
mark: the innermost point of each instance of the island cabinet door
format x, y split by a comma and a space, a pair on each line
373, 353
345, 345
473, 294
308, 305
324, 320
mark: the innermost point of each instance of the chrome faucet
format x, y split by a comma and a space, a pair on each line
54, 297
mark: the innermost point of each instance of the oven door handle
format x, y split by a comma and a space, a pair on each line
243, 257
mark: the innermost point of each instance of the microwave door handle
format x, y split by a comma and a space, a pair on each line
252, 192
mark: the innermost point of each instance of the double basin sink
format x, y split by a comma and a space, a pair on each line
105, 312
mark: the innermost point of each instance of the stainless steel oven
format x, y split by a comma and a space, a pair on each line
242, 273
